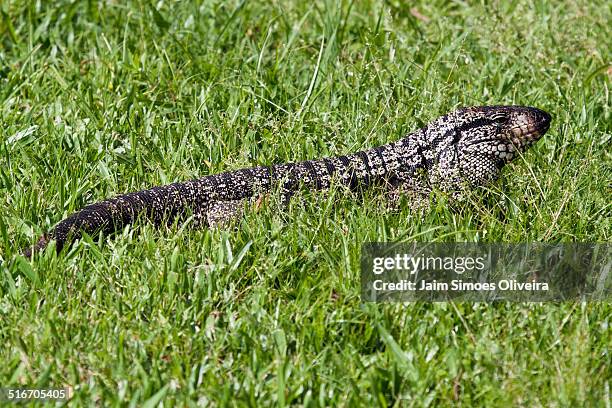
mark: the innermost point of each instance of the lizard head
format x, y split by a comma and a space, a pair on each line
499, 131
481, 140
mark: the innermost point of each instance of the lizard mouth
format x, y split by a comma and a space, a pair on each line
544, 120
532, 129
538, 124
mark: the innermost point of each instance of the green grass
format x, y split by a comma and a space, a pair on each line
97, 100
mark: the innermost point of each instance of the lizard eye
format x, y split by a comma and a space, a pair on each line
500, 120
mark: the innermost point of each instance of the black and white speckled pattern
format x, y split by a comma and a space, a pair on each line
467, 147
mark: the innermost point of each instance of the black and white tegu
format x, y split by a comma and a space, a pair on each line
463, 149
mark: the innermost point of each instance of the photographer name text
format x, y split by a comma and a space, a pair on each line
458, 285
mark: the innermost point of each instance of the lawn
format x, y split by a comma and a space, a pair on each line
101, 98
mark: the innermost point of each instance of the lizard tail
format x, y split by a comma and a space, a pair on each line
158, 205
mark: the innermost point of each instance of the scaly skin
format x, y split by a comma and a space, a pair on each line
465, 148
